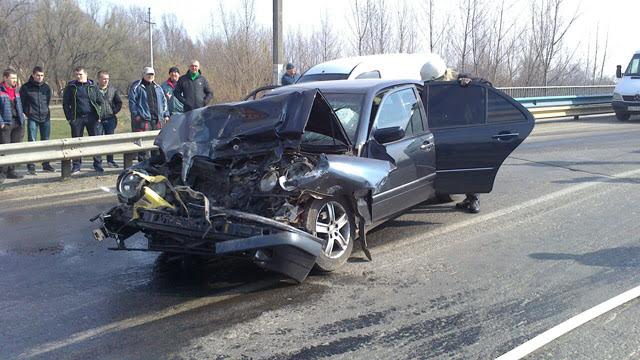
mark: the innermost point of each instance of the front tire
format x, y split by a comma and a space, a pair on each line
622, 116
331, 219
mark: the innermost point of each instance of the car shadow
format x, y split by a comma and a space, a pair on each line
614, 257
200, 276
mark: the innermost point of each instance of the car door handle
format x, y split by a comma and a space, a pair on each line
505, 136
426, 146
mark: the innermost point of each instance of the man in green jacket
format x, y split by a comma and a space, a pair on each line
192, 89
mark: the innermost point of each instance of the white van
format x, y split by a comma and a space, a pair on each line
626, 96
382, 66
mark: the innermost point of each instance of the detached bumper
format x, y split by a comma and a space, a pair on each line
272, 245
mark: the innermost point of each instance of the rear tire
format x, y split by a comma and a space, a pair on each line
331, 219
623, 116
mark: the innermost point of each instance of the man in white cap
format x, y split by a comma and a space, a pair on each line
147, 104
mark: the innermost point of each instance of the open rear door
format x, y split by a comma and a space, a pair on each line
475, 127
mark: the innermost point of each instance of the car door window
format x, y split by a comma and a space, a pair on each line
501, 110
452, 105
400, 109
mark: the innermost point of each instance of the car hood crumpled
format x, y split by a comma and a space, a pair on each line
226, 130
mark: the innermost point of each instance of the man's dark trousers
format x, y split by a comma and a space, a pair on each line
108, 127
90, 122
10, 134
32, 134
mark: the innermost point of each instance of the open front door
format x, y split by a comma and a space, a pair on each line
475, 127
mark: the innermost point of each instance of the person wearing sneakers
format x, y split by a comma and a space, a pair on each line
436, 70
11, 118
81, 102
36, 96
112, 103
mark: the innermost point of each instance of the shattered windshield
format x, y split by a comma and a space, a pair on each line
348, 108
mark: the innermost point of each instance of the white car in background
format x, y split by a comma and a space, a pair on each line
626, 96
382, 66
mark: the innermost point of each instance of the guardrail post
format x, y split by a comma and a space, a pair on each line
128, 159
66, 169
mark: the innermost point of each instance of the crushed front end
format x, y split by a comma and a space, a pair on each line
238, 179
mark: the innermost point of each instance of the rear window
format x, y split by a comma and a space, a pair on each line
501, 110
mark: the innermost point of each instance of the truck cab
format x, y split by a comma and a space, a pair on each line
626, 96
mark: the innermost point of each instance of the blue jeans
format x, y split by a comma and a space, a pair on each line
32, 134
108, 127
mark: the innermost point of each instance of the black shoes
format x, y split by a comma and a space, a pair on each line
12, 174
470, 204
48, 168
31, 170
98, 169
112, 164
75, 170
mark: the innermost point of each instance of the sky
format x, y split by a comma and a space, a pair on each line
619, 17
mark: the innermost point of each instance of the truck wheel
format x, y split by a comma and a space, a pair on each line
622, 116
331, 220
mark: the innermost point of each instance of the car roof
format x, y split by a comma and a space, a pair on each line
383, 62
361, 86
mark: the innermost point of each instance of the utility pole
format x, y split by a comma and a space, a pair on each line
277, 41
150, 37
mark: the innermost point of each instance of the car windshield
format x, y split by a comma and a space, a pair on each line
634, 66
348, 108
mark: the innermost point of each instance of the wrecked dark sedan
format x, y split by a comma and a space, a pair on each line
293, 179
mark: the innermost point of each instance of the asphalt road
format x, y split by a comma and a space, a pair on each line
557, 236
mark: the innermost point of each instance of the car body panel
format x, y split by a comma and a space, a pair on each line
472, 141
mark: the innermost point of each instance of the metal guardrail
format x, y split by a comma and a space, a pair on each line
66, 150
130, 144
544, 91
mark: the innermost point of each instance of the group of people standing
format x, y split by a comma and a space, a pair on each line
94, 107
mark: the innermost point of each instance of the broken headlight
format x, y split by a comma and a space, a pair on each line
130, 186
269, 181
293, 173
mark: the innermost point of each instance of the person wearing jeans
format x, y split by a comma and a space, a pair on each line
148, 105
81, 102
112, 104
36, 95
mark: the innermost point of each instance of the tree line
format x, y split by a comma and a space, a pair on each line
526, 46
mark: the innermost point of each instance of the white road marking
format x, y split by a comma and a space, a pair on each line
565, 327
144, 319
81, 199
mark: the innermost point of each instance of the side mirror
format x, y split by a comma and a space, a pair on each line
389, 134
619, 71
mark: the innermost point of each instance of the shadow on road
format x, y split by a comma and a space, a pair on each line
600, 179
615, 257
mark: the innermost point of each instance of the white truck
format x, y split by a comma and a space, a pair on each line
626, 96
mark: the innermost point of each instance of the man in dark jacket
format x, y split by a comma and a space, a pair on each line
192, 89
291, 76
175, 106
81, 102
35, 96
11, 118
112, 104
